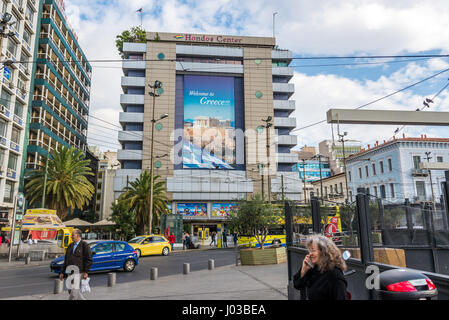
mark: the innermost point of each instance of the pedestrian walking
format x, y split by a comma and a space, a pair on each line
171, 239
78, 254
321, 273
235, 238
225, 240
184, 240
213, 234
1, 240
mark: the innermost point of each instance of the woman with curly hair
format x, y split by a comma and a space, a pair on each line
321, 273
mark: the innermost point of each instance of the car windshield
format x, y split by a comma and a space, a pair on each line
136, 240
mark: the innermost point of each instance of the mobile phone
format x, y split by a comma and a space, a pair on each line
310, 264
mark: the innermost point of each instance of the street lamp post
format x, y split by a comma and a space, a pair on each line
321, 177
267, 126
342, 140
431, 183
157, 85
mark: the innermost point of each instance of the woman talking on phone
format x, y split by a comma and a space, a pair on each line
321, 273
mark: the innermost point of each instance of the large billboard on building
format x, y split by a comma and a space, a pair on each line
192, 209
209, 122
223, 209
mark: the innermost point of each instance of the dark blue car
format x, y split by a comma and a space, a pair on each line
106, 255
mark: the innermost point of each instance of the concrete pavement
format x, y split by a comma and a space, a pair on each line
267, 282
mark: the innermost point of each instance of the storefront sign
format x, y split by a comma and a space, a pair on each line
4, 218
207, 38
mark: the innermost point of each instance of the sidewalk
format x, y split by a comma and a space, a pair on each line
225, 283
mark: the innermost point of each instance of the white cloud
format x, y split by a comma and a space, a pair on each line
321, 27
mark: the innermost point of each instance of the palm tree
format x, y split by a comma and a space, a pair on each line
137, 196
67, 183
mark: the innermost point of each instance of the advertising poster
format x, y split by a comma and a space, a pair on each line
192, 209
223, 209
209, 122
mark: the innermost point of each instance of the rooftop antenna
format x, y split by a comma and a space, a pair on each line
274, 14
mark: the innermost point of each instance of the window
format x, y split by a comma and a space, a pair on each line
103, 248
341, 187
2, 156
350, 195
29, 14
416, 161
367, 171
158, 239
18, 109
374, 169
9, 192
390, 165
349, 176
3, 125
27, 37
392, 189
12, 162
15, 135
325, 192
5, 99
120, 247
360, 173
381, 165
331, 190
383, 194
439, 159
375, 191
421, 190
12, 47
367, 191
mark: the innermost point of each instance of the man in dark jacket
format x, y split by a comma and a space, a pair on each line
78, 254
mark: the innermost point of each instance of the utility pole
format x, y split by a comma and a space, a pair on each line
304, 179
282, 186
431, 184
321, 178
44, 191
267, 126
342, 140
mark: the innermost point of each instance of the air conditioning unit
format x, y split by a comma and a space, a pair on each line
11, 85
2, 108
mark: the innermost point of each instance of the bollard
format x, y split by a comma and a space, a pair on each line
111, 279
153, 274
59, 285
211, 264
186, 269
27, 260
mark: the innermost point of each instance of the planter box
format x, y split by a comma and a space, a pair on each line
255, 257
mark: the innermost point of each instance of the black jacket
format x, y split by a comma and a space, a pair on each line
82, 257
330, 285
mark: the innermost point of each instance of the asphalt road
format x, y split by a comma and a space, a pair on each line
40, 280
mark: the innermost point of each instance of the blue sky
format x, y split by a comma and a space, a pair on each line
308, 28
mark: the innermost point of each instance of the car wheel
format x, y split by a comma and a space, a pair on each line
165, 251
129, 265
138, 253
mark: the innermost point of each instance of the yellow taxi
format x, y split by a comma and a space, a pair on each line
150, 244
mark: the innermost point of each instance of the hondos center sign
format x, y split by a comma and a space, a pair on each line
207, 38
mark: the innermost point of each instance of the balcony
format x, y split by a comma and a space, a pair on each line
284, 88
126, 99
420, 172
129, 155
284, 105
283, 71
130, 47
287, 140
287, 158
284, 122
133, 117
282, 55
133, 64
130, 136
133, 82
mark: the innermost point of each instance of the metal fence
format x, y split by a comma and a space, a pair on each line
389, 235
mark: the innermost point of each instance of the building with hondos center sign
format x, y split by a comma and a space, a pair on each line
211, 150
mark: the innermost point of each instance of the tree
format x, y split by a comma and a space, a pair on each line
124, 218
255, 217
67, 183
136, 34
137, 197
